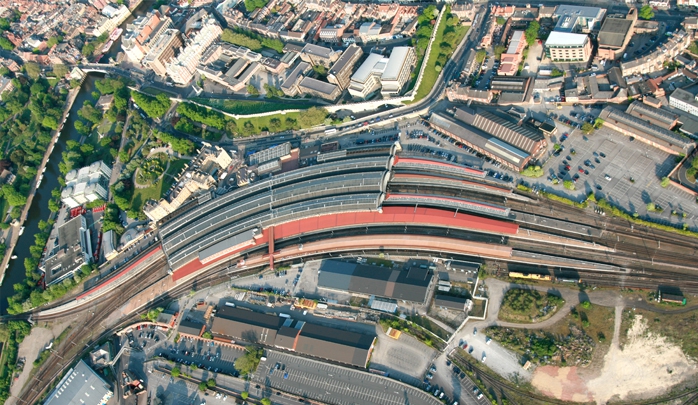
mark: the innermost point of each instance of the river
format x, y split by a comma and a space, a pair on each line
142, 8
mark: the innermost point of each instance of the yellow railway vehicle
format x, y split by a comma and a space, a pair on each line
530, 276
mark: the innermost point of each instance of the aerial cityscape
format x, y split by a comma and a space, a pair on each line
348, 202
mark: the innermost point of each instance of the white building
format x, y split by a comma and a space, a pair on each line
684, 101
366, 80
568, 47
572, 18
397, 71
87, 184
80, 385
183, 67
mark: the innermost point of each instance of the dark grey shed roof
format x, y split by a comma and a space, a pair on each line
339, 345
190, 328
450, 302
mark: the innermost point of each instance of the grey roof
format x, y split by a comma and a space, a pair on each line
286, 337
409, 285
613, 31
295, 75
345, 60
503, 127
572, 15
318, 85
640, 110
318, 50
241, 324
68, 253
465, 266
330, 343
632, 123
450, 302
190, 328
80, 386
231, 242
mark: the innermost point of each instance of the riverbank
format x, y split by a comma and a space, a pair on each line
13, 231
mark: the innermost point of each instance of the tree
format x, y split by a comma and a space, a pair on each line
665, 182
586, 304
252, 5
12, 196
651, 206
265, 401
211, 383
60, 70
313, 116
54, 41
531, 32
646, 12
569, 184
557, 73
6, 44
207, 335
33, 69
480, 55
252, 90
244, 395
202, 386
501, 20
587, 128
155, 107
498, 51
248, 362
176, 372
50, 122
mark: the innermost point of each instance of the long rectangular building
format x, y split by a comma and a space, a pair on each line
402, 284
235, 324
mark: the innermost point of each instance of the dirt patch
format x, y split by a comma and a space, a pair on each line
646, 366
30, 348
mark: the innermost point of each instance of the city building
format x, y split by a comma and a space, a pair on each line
369, 32
451, 302
568, 47
409, 284
86, 184
641, 129
495, 134
290, 85
397, 71
511, 59
182, 68
466, 93
653, 115
572, 18
318, 88
143, 32
195, 180
163, 51
332, 34
512, 89
319, 55
674, 46
366, 80
80, 385
684, 101
68, 252
113, 18
340, 73
615, 35
235, 325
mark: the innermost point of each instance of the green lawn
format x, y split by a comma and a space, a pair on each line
156, 191
263, 122
430, 72
243, 107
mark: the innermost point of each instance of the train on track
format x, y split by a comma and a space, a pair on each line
543, 277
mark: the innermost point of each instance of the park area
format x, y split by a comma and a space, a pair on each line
528, 306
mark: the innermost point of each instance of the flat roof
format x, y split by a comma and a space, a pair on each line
80, 386
557, 38
366, 68
614, 31
398, 58
397, 283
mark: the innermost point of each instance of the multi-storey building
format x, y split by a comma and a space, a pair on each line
163, 51
366, 80
397, 71
568, 47
511, 59
684, 101
143, 32
319, 88
340, 73
319, 55
182, 69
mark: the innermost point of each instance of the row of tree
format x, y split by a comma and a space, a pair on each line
249, 39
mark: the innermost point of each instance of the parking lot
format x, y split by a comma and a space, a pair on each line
209, 356
406, 359
334, 384
456, 383
146, 339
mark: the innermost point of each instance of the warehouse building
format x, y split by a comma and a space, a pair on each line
451, 302
407, 284
80, 385
235, 324
615, 35
644, 131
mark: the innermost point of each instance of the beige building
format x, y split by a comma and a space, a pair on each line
163, 52
568, 47
340, 73
397, 71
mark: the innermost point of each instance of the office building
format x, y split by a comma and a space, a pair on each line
290, 84
397, 71
80, 386
318, 88
568, 47
319, 55
68, 252
572, 18
340, 73
684, 101
163, 51
143, 32
87, 184
183, 67
366, 80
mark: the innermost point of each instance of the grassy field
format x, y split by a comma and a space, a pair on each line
430, 72
244, 107
528, 306
263, 122
156, 191
478, 308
